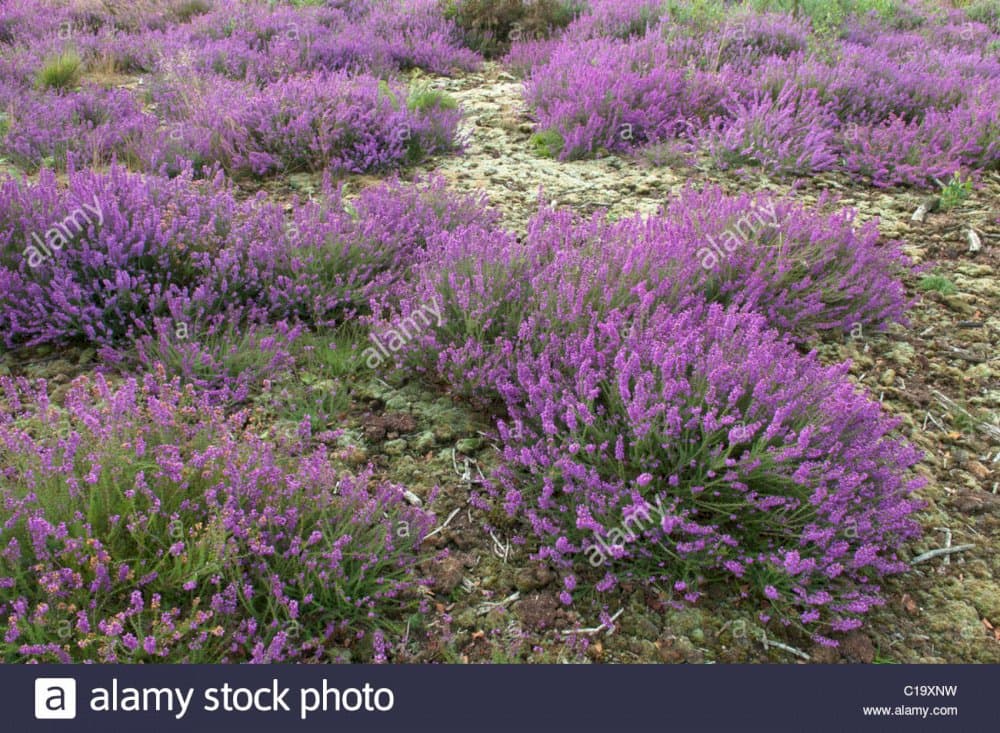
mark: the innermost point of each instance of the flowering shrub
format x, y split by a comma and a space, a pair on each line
264, 42
143, 525
697, 447
146, 242
623, 96
152, 248
329, 121
803, 271
613, 375
791, 134
761, 90
93, 125
489, 26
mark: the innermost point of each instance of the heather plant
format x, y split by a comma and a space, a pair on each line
625, 95
490, 25
623, 394
696, 448
92, 125
917, 153
328, 121
146, 526
770, 91
261, 43
150, 242
349, 251
805, 271
792, 134
227, 357
196, 256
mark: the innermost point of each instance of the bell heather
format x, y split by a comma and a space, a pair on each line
327, 121
143, 512
623, 394
764, 90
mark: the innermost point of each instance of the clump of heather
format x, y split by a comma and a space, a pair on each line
329, 121
767, 90
622, 390
265, 42
108, 257
94, 126
792, 134
697, 447
226, 356
804, 271
143, 525
489, 26
97, 259
624, 96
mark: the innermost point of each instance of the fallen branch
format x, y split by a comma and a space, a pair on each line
595, 629
783, 647
487, 606
446, 523
931, 554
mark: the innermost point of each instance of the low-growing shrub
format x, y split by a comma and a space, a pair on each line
145, 526
626, 400
94, 126
329, 121
792, 134
766, 90
621, 97
117, 257
804, 271
696, 448
489, 26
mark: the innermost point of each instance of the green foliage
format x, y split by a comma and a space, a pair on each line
986, 12
938, 284
699, 14
384, 90
547, 143
955, 191
59, 71
188, 9
423, 98
489, 26
829, 15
